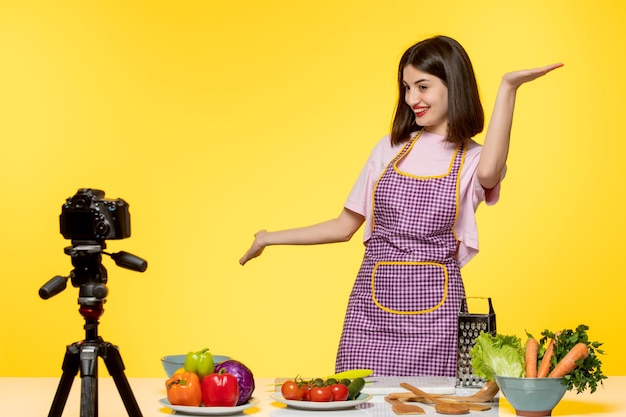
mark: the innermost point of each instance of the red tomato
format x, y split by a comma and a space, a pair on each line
340, 392
292, 391
321, 394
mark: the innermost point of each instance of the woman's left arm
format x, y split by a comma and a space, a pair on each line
496, 146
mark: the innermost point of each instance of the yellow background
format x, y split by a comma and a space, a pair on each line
216, 119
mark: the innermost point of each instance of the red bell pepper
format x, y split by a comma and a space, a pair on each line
220, 390
184, 389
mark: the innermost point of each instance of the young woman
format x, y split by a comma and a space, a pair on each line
417, 195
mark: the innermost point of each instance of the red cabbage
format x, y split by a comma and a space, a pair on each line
244, 378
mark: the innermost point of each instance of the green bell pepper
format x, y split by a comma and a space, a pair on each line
200, 363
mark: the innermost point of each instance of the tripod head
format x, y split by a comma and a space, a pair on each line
89, 275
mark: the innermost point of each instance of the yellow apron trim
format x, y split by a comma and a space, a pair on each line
428, 310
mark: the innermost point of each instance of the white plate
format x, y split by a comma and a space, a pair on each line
285, 411
209, 411
312, 405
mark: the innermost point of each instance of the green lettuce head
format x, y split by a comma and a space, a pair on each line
500, 355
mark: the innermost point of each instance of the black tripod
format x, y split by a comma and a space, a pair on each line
90, 276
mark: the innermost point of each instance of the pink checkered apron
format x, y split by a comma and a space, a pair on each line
402, 312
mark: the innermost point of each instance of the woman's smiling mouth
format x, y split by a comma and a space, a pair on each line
420, 111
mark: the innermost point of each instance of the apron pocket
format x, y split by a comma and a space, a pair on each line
409, 287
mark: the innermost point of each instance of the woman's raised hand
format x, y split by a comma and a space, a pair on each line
517, 78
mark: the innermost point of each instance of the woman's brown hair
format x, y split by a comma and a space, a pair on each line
446, 59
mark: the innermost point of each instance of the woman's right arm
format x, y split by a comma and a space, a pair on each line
340, 229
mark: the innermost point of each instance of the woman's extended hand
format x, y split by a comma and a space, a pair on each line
517, 78
335, 230
256, 249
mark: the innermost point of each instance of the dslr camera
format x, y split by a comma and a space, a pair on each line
88, 216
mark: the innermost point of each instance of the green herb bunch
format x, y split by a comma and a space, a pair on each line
588, 373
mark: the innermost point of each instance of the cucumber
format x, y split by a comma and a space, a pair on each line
355, 387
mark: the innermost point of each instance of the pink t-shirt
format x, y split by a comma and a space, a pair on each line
431, 155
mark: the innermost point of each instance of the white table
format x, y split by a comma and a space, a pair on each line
32, 397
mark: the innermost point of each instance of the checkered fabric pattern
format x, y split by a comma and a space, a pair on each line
402, 312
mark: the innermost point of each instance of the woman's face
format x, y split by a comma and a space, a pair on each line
427, 95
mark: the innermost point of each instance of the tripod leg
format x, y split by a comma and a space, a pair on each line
89, 353
115, 366
70, 369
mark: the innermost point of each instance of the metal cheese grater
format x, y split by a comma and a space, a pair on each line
470, 327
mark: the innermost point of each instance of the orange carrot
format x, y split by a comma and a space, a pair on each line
532, 347
568, 363
544, 367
